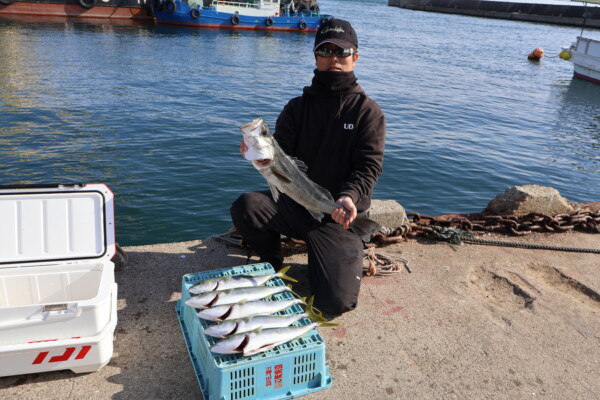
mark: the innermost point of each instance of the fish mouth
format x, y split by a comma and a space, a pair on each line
251, 126
265, 162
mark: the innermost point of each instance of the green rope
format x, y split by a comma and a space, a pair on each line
458, 236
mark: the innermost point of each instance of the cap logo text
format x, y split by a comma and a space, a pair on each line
337, 29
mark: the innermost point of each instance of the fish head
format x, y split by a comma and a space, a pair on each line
204, 287
232, 345
260, 142
217, 313
203, 300
221, 330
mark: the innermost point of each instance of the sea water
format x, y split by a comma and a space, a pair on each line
154, 111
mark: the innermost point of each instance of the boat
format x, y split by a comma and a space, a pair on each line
584, 53
113, 9
585, 56
270, 15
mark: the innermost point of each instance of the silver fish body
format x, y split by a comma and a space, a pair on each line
231, 282
237, 281
287, 175
246, 309
228, 328
232, 296
260, 340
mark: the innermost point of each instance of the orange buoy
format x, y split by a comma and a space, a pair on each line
536, 54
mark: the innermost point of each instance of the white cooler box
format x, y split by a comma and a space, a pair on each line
58, 296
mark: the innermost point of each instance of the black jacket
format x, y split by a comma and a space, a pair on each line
339, 132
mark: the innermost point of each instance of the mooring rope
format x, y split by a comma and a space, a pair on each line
458, 236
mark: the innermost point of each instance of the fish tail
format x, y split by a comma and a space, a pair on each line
282, 274
313, 313
364, 228
303, 299
316, 315
328, 324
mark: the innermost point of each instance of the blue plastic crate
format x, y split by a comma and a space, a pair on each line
292, 369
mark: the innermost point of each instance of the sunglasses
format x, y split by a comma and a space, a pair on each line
339, 52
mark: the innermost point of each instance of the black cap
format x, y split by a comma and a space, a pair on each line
338, 32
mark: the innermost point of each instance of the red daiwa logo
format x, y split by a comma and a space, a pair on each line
69, 351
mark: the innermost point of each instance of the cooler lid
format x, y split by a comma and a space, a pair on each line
41, 223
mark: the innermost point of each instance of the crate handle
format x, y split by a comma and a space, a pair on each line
48, 316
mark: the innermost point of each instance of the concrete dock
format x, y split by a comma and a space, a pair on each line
469, 322
557, 12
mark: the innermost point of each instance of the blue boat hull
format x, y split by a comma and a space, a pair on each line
205, 17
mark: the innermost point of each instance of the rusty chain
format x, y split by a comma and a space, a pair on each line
425, 226
586, 221
421, 225
458, 228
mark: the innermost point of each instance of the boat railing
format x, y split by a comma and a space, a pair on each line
588, 46
246, 4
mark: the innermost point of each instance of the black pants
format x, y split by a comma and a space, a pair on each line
335, 255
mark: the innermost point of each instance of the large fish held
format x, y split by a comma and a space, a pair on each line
287, 175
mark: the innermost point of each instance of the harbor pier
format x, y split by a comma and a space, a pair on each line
561, 13
468, 320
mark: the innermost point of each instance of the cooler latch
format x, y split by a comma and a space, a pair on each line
55, 307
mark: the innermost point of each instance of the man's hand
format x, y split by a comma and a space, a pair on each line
339, 214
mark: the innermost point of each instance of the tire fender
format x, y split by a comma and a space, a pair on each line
170, 6
87, 4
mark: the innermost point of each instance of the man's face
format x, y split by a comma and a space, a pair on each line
334, 62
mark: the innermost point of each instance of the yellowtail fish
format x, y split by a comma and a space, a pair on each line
261, 340
246, 309
238, 281
288, 175
232, 296
228, 328
235, 326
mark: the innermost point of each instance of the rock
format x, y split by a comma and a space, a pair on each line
387, 213
593, 206
522, 200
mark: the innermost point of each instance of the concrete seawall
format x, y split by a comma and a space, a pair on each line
571, 15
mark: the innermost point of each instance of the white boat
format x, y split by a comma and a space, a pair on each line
585, 56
